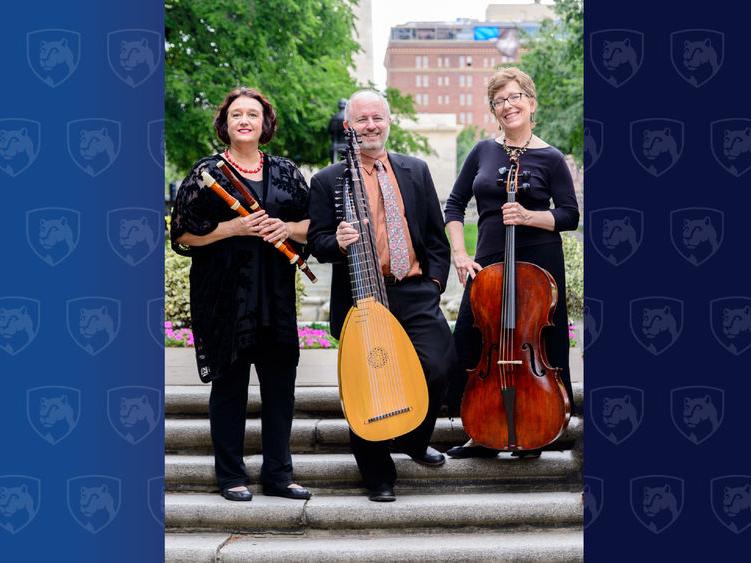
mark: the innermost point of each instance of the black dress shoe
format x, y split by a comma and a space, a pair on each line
463, 452
430, 456
526, 454
384, 493
295, 493
245, 494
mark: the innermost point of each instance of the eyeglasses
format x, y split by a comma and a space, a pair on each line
513, 99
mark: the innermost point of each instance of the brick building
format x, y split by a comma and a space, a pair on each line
446, 66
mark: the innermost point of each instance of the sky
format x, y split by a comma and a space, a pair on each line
389, 13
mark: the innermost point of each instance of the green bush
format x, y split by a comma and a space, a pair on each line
176, 289
574, 257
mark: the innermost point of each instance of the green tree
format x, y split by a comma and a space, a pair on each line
554, 57
297, 52
465, 140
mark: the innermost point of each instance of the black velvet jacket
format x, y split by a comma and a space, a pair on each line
239, 285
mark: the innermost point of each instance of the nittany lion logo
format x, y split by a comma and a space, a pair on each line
19, 323
617, 54
616, 233
93, 322
730, 140
53, 54
656, 322
134, 233
593, 318
594, 140
53, 412
134, 54
134, 412
53, 233
730, 320
730, 496
155, 141
697, 412
19, 501
657, 144
155, 320
657, 500
155, 500
19, 144
94, 144
617, 412
94, 501
593, 499
697, 233
697, 54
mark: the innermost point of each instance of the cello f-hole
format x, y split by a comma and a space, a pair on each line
539, 372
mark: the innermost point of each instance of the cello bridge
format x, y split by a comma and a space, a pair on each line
512, 362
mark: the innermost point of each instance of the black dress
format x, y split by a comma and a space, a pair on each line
550, 179
242, 298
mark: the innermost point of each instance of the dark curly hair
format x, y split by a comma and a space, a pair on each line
269, 115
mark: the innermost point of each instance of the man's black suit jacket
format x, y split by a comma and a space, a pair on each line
424, 218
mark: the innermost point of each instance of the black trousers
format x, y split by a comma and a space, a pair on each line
415, 304
468, 338
227, 413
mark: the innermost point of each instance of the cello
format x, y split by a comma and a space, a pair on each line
381, 383
514, 400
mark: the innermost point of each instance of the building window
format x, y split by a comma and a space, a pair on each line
418, 80
469, 80
425, 62
469, 99
462, 99
461, 117
462, 80
425, 80
492, 61
448, 99
469, 118
469, 60
418, 62
461, 61
426, 99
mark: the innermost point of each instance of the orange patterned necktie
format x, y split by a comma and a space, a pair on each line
397, 241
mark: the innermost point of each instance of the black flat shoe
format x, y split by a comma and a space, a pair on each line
295, 493
464, 452
384, 493
526, 454
430, 456
244, 495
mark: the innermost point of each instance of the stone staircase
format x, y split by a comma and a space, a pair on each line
502, 509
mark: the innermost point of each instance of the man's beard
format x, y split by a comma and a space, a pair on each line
375, 145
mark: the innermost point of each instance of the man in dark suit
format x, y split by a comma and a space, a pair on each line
414, 257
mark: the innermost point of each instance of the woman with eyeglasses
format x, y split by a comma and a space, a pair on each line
513, 101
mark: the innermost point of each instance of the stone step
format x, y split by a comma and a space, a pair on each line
549, 546
321, 435
339, 471
211, 512
192, 400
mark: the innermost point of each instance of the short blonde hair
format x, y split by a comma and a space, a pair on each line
509, 74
